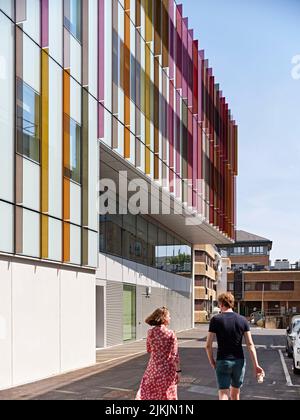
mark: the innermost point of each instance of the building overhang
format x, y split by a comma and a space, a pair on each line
181, 219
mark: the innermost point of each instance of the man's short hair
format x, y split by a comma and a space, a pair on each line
227, 300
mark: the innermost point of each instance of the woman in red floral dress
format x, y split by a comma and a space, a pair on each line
163, 372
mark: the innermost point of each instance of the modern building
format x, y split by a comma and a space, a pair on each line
276, 293
249, 252
93, 90
257, 285
207, 273
222, 286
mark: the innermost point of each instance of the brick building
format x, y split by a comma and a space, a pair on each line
274, 290
207, 272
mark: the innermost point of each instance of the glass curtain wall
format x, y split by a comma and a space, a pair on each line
136, 239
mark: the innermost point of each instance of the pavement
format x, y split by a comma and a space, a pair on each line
119, 370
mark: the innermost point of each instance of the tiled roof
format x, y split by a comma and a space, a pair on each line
242, 236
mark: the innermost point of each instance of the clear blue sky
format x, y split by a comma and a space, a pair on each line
250, 45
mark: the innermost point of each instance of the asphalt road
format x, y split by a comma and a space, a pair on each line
198, 380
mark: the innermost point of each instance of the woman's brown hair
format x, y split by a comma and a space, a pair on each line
158, 317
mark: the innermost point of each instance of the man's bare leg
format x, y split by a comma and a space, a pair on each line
235, 394
224, 395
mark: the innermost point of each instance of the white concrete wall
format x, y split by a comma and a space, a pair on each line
5, 326
124, 271
167, 289
47, 321
222, 285
78, 329
35, 325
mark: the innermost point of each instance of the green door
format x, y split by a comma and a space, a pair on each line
129, 313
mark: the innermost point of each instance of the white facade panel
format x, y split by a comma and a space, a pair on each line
75, 245
6, 107
107, 128
129, 272
75, 101
56, 30
93, 249
75, 203
32, 24
31, 234
114, 268
93, 47
35, 292
31, 185
55, 240
5, 325
93, 164
108, 55
31, 64
142, 275
161, 278
152, 274
75, 59
8, 7
102, 269
55, 140
6, 228
78, 342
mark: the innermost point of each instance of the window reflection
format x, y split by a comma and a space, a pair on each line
161, 250
113, 232
75, 151
152, 243
136, 239
28, 121
72, 20
128, 237
142, 240
73, 169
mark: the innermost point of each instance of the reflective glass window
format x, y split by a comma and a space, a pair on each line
142, 240
28, 121
73, 17
114, 235
75, 151
152, 244
161, 250
129, 237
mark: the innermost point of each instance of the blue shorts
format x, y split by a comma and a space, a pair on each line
230, 373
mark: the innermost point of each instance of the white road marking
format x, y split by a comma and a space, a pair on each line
133, 355
61, 391
285, 369
204, 390
117, 389
278, 347
258, 346
130, 355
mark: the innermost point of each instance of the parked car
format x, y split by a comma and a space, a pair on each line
296, 355
291, 334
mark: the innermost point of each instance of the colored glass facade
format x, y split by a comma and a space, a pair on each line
162, 109
128, 74
135, 238
48, 129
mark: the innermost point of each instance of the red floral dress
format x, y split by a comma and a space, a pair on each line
160, 379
